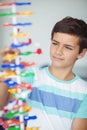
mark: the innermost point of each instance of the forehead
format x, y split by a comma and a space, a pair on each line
65, 38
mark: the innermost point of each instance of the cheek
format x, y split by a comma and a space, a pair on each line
72, 57
51, 50
50, 53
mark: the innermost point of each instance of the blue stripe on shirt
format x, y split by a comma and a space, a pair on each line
66, 93
55, 101
51, 110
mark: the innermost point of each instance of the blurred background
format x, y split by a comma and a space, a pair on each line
45, 14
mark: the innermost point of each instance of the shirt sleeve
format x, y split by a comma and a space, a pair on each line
82, 112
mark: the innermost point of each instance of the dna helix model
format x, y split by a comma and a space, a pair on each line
14, 116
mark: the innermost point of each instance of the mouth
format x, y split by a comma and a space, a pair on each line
58, 58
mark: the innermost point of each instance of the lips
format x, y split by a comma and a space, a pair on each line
57, 58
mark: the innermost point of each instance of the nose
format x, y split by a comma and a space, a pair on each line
59, 50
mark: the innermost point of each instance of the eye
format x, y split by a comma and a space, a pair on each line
54, 43
69, 48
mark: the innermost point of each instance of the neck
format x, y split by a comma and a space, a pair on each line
61, 74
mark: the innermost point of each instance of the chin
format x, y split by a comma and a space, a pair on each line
56, 65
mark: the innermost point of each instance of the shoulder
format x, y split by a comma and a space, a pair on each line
40, 76
39, 72
82, 81
81, 84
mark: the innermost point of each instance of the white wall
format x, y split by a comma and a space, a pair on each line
45, 14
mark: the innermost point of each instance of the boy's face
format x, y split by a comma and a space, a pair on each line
64, 50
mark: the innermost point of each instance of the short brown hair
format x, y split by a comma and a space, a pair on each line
72, 26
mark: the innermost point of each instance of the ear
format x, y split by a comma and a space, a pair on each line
82, 54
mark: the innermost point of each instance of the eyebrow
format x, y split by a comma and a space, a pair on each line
64, 44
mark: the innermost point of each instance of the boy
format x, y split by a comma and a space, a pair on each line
59, 97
